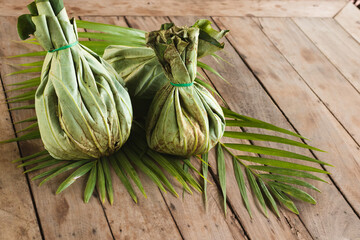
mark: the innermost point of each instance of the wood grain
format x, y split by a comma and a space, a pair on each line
349, 19
301, 107
273, 8
189, 213
150, 218
318, 72
17, 213
63, 216
285, 228
284, 77
339, 47
197, 222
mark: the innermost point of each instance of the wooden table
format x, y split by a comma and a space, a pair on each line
295, 64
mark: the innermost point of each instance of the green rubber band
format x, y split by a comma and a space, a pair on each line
64, 47
182, 84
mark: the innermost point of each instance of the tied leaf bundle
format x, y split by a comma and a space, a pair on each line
271, 180
208, 38
82, 107
184, 118
142, 71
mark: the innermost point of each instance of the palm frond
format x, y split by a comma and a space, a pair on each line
272, 181
281, 176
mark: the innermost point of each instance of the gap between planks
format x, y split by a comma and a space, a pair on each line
15, 222
188, 214
264, 8
349, 19
151, 213
215, 229
64, 215
316, 71
289, 226
268, 72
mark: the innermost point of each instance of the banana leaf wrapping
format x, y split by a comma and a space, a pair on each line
184, 118
142, 71
82, 107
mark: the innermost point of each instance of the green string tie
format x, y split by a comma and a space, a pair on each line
181, 84
64, 47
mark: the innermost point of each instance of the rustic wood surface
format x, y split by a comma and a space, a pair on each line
288, 67
273, 8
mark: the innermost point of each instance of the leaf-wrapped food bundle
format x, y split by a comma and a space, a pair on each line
184, 118
143, 73
208, 38
82, 107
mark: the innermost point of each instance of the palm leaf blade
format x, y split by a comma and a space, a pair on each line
284, 200
108, 181
66, 167
280, 163
269, 196
124, 164
239, 176
290, 180
90, 185
81, 171
254, 123
121, 174
269, 138
101, 181
272, 151
284, 171
255, 187
221, 172
293, 191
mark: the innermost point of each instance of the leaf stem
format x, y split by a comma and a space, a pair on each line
239, 160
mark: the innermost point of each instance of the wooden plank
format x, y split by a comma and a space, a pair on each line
333, 90
150, 218
64, 216
197, 222
349, 19
258, 225
189, 213
340, 48
274, 8
289, 226
301, 107
17, 213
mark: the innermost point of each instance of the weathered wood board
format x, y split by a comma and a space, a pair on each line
264, 8
297, 102
298, 73
349, 19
